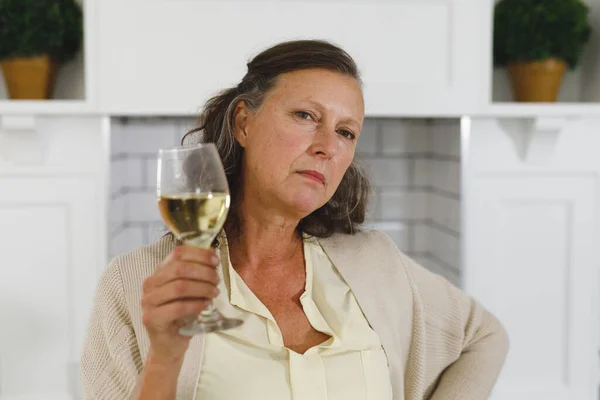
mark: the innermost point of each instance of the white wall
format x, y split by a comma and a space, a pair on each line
414, 167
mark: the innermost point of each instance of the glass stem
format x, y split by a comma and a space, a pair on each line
210, 313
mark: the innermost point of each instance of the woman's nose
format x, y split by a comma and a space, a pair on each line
325, 143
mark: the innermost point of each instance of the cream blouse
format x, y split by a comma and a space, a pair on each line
251, 362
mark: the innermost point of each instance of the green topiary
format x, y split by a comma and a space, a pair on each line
534, 30
37, 27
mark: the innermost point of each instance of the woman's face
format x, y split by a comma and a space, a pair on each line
299, 144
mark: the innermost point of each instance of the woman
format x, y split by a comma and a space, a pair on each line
330, 312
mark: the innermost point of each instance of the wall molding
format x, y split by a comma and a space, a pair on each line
20, 142
535, 138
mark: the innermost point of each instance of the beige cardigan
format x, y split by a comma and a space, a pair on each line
441, 344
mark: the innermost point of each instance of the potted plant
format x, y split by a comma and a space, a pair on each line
537, 40
36, 37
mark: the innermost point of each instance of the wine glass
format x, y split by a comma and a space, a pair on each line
193, 199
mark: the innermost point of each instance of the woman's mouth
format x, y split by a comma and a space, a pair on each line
314, 175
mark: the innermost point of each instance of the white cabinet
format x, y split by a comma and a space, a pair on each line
52, 241
166, 57
530, 240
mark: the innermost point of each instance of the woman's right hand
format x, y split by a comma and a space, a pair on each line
183, 286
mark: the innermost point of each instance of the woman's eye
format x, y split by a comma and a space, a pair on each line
303, 115
347, 134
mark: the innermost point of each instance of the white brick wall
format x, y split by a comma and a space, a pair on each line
134, 217
400, 137
388, 172
414, 166
441, 232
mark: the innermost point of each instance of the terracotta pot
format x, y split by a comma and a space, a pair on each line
29, 78
537, 81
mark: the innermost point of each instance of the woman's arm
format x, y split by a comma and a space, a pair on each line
182, 286
110, 361
480, 339
158, 381
474, 374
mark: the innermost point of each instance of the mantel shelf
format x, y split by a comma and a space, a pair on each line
531, 110
44, 107
499, 110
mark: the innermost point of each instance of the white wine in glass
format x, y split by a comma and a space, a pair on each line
193, 199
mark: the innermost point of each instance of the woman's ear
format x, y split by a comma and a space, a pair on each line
241, 120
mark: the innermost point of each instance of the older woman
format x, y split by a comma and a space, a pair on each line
330, 312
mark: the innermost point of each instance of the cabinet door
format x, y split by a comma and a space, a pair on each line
417, 57
537, 242
52, 246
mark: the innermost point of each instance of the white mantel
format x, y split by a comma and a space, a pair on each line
530, 173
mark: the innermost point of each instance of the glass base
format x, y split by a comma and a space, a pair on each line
196, 327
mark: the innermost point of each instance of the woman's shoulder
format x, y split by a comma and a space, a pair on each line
141, 262
372, 248
119, 287
442, 305
368, 241
377, 250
